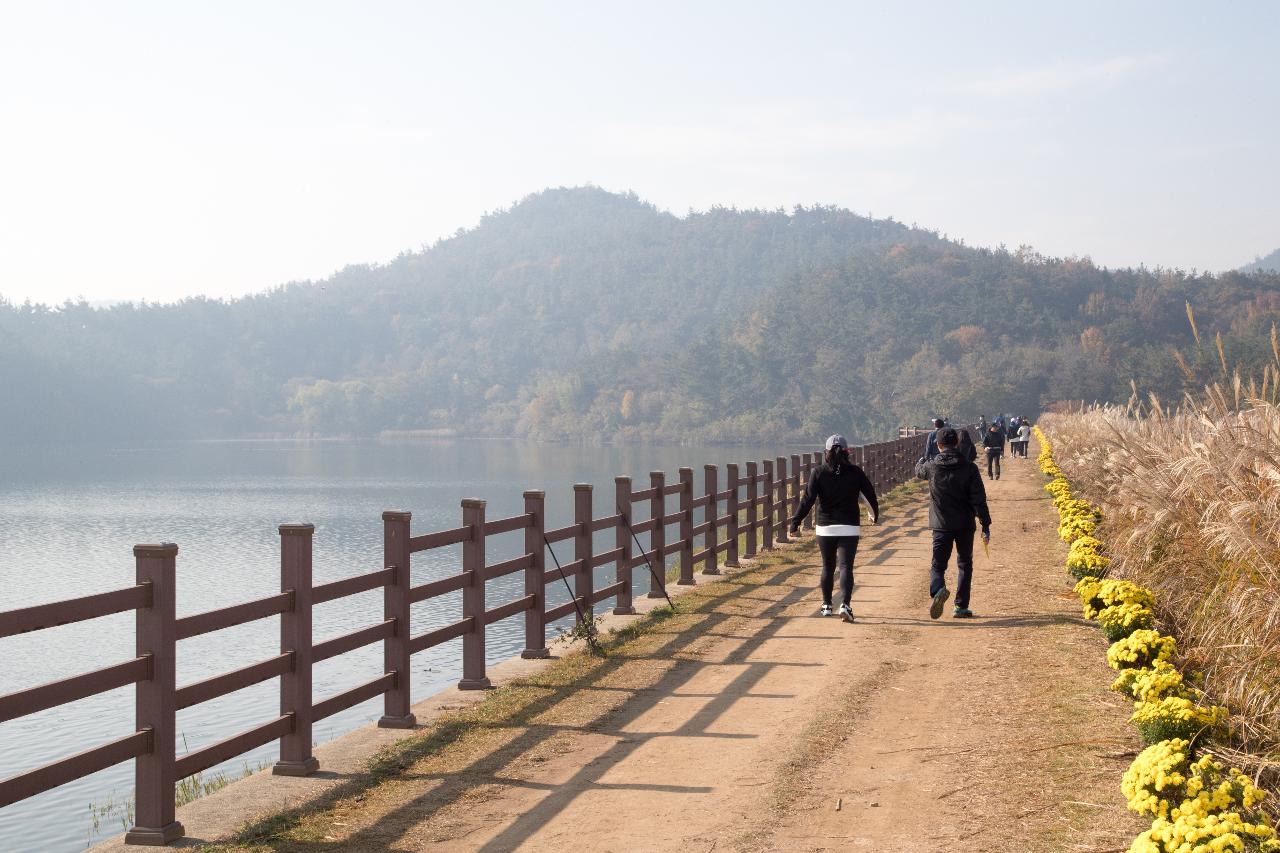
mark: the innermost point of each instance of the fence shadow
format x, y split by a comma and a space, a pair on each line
712, 612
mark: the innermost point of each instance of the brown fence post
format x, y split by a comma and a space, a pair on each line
295, 639
780, 477
584, 577
658, 538
622, 540
798, 483
731, 507
155, 700
395, 605
712, 507
535, 629
753, 511
473, 556
686, 527
766, 515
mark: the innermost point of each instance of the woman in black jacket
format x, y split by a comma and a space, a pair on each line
966, 448
835, 487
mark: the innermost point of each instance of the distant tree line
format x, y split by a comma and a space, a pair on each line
582, 314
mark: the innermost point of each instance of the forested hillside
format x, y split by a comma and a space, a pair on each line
584, 314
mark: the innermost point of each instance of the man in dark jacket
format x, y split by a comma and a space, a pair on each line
993, 441
956, 497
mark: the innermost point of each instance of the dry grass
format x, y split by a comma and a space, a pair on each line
1192, 503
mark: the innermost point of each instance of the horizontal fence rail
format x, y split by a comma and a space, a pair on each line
728, 519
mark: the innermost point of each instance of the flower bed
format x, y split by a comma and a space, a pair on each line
1196, 803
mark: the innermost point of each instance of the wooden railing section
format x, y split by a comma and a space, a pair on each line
717, 527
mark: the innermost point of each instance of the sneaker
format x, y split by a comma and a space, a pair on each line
846, 613
935, 609
825, 611
962, 613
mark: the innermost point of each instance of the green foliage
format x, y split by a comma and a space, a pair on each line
584, 314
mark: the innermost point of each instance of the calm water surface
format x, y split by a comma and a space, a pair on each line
69, 517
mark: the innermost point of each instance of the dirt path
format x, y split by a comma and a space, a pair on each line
746, 723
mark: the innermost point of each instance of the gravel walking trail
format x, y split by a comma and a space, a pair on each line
747, 723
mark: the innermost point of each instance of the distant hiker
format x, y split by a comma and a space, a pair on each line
956, 498
982, 424
931, 445
1024, 437
835, 486
993, 441
966, 447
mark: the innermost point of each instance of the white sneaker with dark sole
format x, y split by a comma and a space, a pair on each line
939, 601
846, 613
825, 611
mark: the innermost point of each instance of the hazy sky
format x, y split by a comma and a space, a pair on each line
159, 150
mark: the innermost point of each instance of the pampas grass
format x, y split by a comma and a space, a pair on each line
1191, 498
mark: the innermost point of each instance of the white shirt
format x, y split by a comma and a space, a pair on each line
837, 530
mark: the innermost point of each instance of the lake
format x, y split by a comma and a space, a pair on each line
70, 516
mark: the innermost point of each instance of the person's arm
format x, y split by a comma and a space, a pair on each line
978, 499
806, 501
869, 492
922, 469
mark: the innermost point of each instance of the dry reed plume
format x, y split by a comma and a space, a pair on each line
1192, 504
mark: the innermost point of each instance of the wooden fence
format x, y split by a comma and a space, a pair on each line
757, 502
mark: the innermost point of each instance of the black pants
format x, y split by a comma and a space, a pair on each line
842, 549
942, 542
993, 458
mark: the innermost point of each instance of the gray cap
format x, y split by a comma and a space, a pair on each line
837, 440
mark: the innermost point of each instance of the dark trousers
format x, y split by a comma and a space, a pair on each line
842, 550
942, 542
993, 458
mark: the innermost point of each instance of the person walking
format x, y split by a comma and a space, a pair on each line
1024, 437
835, 487
966, 446
931, 443
993, 441
956, 499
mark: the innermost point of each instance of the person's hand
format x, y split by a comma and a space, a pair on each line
795, 530
986, 533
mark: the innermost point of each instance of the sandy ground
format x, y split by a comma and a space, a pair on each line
750, 724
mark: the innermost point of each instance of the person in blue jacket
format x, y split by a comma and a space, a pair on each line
931, 444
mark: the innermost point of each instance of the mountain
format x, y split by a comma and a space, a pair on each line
583, 314
1270, 263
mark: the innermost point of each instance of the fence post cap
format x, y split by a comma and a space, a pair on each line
582, 487
622, 478
396, 515
535, 493
297, 529
686, 470
709, 467
473, 503
163, 549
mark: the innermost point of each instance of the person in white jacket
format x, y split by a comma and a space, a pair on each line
1024, 438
